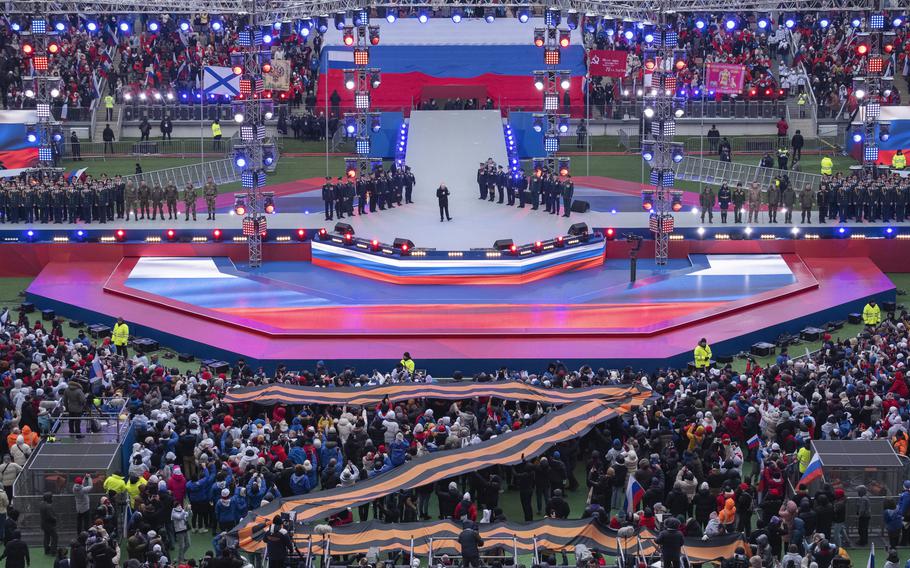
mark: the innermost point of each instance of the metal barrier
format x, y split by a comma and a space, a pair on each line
624, 140
222, 171
625, 109
716, 172
183, 147
755, 144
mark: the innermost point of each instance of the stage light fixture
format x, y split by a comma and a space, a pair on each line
238, 117
348, 36
423, 16
647, 151
216, 235
539, 37
38, 27
551, 102
350, 125
862, 49
489, 15
375, 79
789, 22
301, 234
239, 204
27, 49
339, 20
153, 26
268, 204
647, 200
551, 144
349, 82
217, 25
537, 123
565, 38
552, 17
240, 160
15, 25
361, 57
649, 36
572, 19
29, 93
361, 17
374, 35
565, 81
184, 25
457, 15
322, 23
362, 101
375, 123
877, 21
857, 137
362, 146
676, 201
563, 166
170, 234
700, 24
856, 22
884, 131
730, 23
551, 56
677, 153
823, 23
120, 235
267, 38
870, 153
563, 124
31, 136
649, 112
266, 68
524, 15
764, 24
538, 81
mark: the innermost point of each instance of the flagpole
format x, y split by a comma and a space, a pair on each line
201, 121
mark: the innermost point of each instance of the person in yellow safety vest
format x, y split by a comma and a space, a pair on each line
801, 101
702, 354
120, 337
872, 314
115, 482
109, 106
804, 456
827, 166
899, 160
134, 486
216, 134
407, 363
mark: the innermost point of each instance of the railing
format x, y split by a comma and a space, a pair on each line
751, 144
222, 171
183, 147
631, 108
625, 141
716, 172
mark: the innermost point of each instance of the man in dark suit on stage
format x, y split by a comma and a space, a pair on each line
442, 194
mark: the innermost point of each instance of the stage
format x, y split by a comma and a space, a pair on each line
294, 312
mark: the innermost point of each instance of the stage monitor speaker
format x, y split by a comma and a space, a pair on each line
762, 349
503, 244
397, 243
98, 331
811, 334
889, 306
48, 315
27, 307
343, 228
580, 206
578, 229
854, 318
185, 357
724, 359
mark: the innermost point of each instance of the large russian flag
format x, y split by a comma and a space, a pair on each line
634, 494
504, 71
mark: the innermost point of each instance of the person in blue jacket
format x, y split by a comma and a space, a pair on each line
198, 492
399, 450
300, 481
227, 511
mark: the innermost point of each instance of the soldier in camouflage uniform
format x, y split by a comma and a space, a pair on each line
189, 200
157, 197
144, 196
171, 196
210, 192
131, 201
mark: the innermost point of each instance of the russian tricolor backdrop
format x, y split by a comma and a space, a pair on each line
499, 58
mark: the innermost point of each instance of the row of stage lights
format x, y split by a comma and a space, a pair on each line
840, 232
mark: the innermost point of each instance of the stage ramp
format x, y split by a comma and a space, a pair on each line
448, 146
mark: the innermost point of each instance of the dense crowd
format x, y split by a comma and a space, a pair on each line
79, 58
829, 54
715, 450
97, 200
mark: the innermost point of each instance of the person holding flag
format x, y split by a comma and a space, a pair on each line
812, 472
634, 494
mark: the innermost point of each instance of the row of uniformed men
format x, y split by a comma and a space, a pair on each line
101, 200
378, 190
546, 189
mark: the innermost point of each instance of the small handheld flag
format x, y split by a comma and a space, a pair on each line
754, 442
634, 493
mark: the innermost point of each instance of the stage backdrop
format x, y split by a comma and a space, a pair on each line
506, 71
15, 151
899, 135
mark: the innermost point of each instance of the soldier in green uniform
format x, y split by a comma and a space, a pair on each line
4, 202
131, 201
44, 203
73, 203
58, 199
88, 200
15, 197
210, 192
105, 197
171, 196
739, 199
157, 197
189, 200
144, 196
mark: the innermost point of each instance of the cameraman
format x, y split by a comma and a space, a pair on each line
278, 543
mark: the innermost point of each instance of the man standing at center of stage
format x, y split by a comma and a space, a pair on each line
482, 180
409, 182
534, 186
157, 196
568, 192
189, 201
502, 179
361, 186
103, 198
521, 185
328, 198
442, 195
131, 201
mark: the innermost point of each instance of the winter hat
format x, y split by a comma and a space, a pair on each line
225, 493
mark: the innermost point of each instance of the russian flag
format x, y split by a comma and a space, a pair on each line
813, 472
634, 493
871, 562
754, 442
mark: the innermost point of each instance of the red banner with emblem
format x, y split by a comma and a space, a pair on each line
607, 63
725, 78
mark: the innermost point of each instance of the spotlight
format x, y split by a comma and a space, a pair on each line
239, 204
375, 124
763, 24
700, 24
301, 234
539, 37
565, 82
538, 81
120, 235
647, 200
897, 22
647, 151
375, 79
456, 15
857, 137
841, 231
267, 39
170, 234
124, 27
216, 235
524, 15
31, 136
862, 49
91, 26
563, 124
240, 160
323, 234
423, 16
747, 231
269, 205
238, 118
889, 231
701, 231
489, 15
537, 124
649, 112
184, 25
823, 23
217, 25
348, 37
572, 19
565, 38
349, 82
27, 49
677, 153
676, 201
730, 24
374, 35
322, 24
339, 20
789, 23
794, 231
856, 22
153, 26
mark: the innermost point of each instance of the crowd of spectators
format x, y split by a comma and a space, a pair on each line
199, 465
81, 58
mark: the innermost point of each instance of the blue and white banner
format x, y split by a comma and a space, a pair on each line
220, 81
